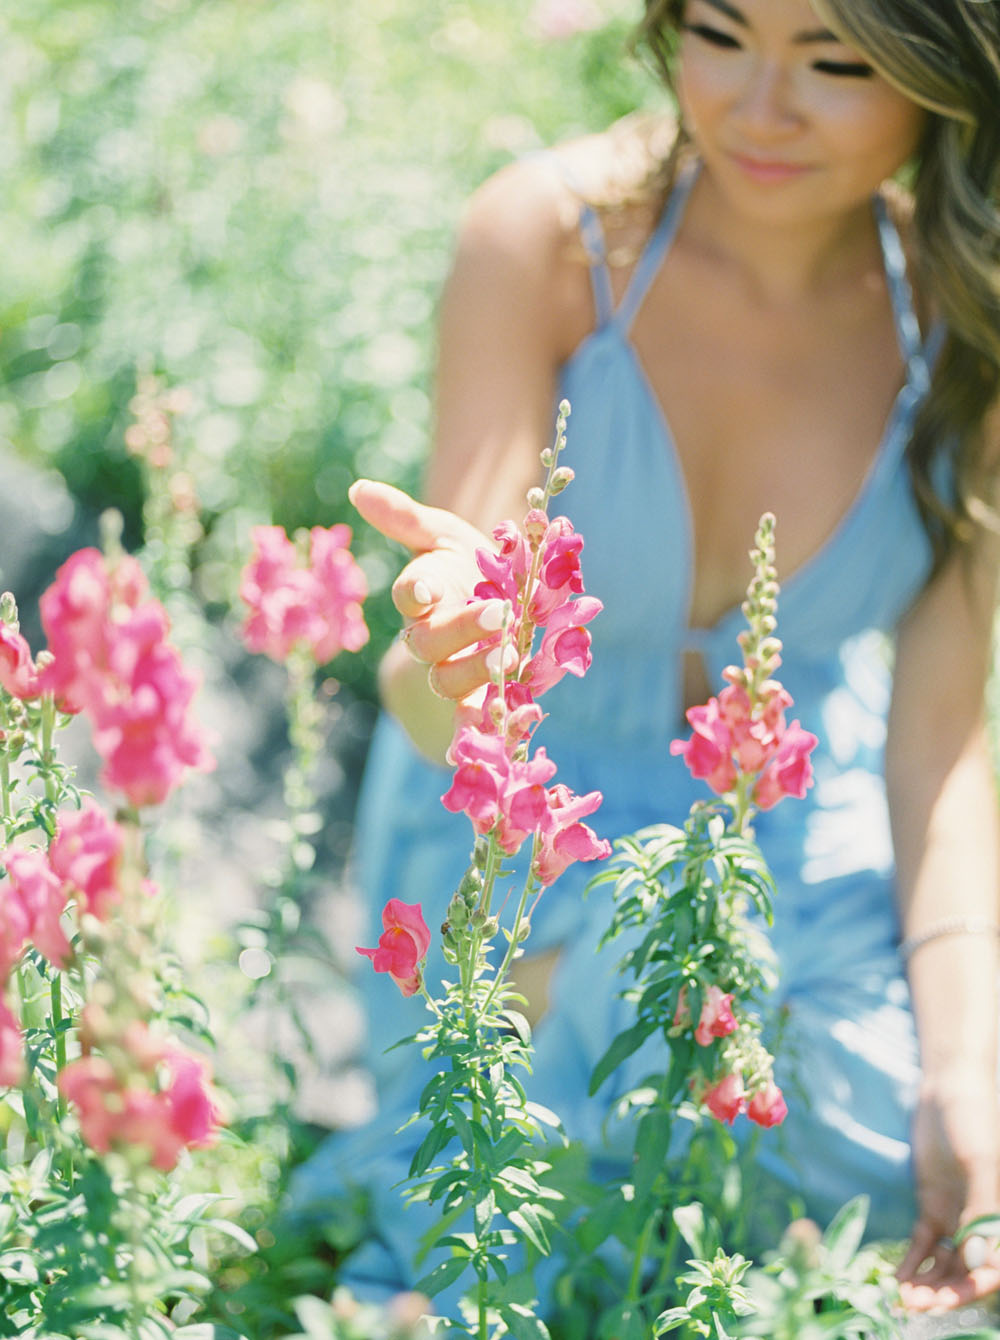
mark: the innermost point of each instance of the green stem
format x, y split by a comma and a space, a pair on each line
59, 1035
5, 798
48, 754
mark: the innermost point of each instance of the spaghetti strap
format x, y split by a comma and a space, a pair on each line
657, 246
592, 236
911, 343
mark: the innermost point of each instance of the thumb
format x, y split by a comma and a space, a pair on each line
413, 524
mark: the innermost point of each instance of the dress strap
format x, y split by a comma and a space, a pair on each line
908, 334
658, 245
592, 237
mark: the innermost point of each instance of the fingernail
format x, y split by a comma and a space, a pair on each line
974, 1252
505, 657
490, 618
421, 592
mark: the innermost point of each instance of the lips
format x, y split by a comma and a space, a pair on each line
768, 169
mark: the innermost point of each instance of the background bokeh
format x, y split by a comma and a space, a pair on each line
255, 202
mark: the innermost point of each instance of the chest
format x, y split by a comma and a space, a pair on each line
781, 410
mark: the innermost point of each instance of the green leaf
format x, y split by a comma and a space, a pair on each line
651, 1143
208, 1331
430, 1146
233, 1231
690, 1221
523, 1324
528, 1219
843, 1238
621, 1048
519, 1023
441, 1276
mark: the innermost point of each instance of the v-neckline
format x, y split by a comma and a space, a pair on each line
789, 582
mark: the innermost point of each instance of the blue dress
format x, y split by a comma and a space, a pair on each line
849, 1058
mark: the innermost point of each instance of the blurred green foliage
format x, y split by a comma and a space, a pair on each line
256, 202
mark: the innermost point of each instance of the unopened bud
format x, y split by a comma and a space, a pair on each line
536, 498
547, 457
536, 523
458, 912
560, 478
8, 609
523, 931
471, 884
480, 853
490, 927
768, 623
14, 743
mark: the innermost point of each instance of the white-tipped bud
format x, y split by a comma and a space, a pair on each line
8, 609
536, 498
560, 478
547, 457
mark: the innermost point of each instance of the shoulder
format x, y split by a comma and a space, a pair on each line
520, 231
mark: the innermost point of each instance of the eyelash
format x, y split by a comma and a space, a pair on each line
716, 37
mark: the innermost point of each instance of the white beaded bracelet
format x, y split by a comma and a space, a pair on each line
948, 926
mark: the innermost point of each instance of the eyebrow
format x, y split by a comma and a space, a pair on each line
804, 38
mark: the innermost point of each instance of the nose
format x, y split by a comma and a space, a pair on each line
765, 106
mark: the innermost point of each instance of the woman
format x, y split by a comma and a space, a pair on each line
752, 320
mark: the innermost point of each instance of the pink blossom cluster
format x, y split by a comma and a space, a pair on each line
726, 1096
82, 862
402, 946
502, 790
734, 736
159, 1100
110, 658
316, 605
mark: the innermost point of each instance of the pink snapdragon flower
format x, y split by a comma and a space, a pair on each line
116, 1111
497, 792
767, 1107
42, 898
86, 854
111, 659
789, 771
18, 674
565, 646
402, 946
316, 604
726, 1098
15, 927
563, 838
708, 753
12, 1066
716, 1020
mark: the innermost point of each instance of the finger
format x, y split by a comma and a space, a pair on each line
923, 1244
413, 524
962, 1288
444, 632
461, 675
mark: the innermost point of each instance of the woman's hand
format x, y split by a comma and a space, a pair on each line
448, 636
955, 1153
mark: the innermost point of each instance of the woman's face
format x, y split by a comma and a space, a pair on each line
791, 123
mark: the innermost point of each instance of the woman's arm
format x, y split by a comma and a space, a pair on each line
942, 797
516, 304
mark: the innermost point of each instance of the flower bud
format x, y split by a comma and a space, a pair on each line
471, 885
523, 931
490, 927
458, 912
560, 478
536, 498
480, 853
536, 523
547, 457
8, 609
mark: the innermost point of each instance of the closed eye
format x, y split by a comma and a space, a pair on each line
850, 69
715, 36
